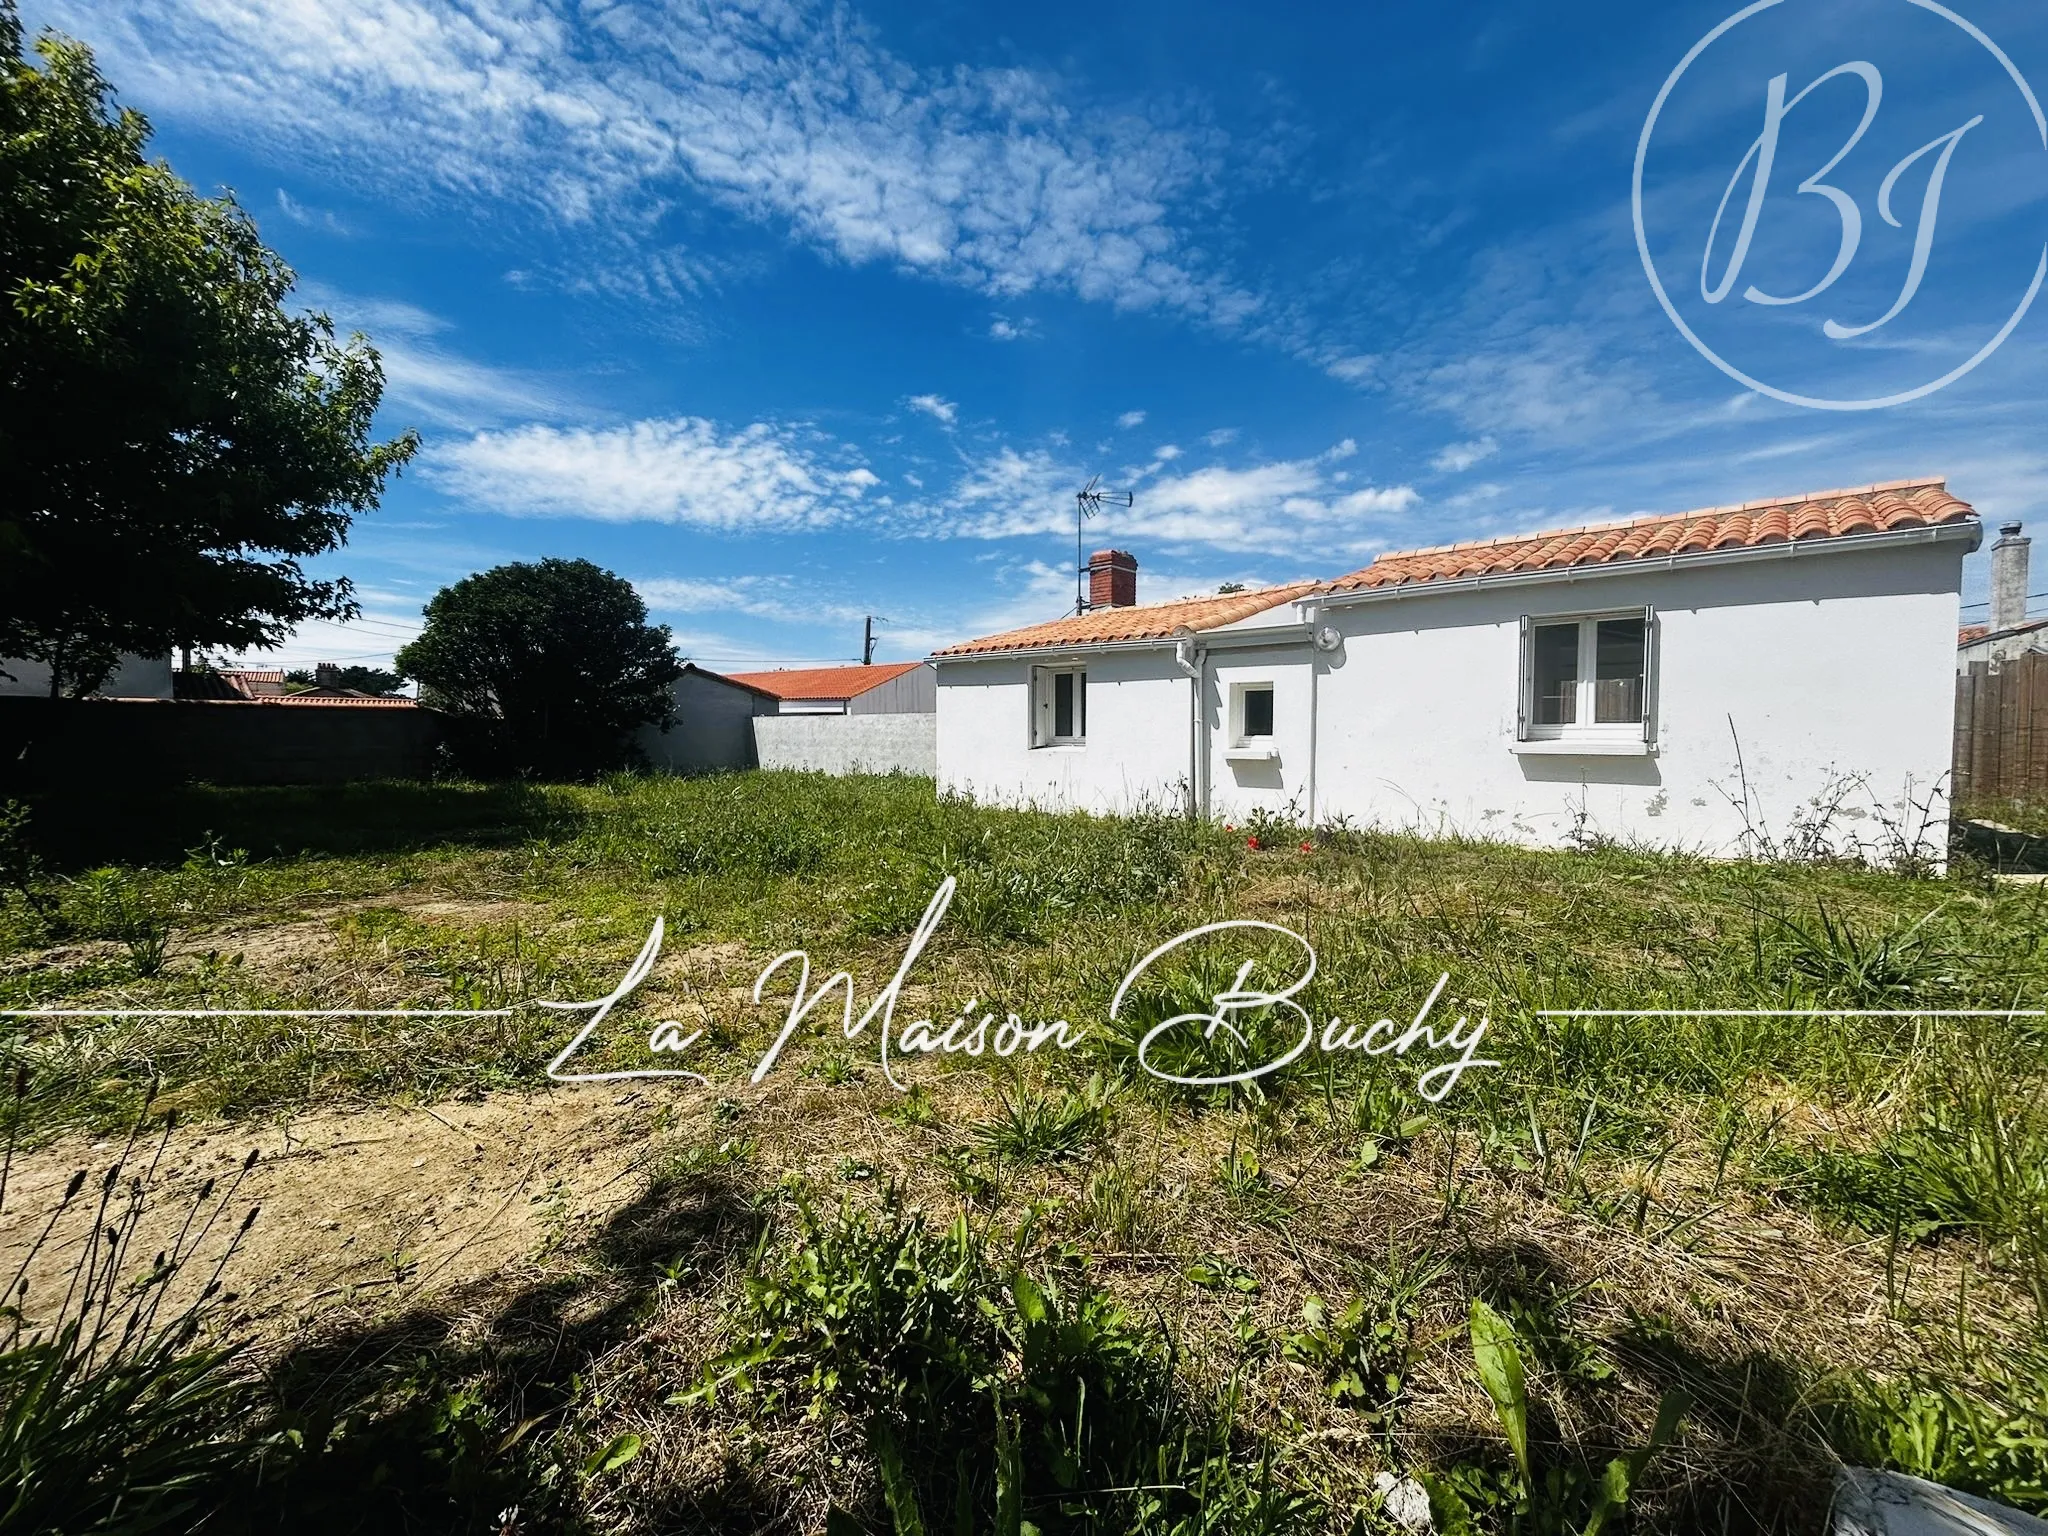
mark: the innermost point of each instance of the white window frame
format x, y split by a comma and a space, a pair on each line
1586, 731
1238, 691
1042, 705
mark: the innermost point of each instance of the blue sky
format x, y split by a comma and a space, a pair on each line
794, 313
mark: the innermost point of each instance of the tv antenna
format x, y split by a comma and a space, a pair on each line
1088, 501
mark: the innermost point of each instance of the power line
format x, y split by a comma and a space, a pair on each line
2031, 597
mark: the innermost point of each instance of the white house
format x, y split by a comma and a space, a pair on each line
1678, 680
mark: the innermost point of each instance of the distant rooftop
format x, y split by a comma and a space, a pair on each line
819, 684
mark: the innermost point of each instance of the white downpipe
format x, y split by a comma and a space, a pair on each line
1193, 663
1315, 669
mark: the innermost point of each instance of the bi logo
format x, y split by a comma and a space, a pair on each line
1844, 207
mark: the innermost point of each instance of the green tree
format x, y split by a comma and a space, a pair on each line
548, 668
173, 443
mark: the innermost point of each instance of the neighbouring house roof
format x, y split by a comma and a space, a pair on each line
255, 682
1818, 515
233, 687
204, 685
1970, 634
821, 682
343, 697
1151, 621
725, 677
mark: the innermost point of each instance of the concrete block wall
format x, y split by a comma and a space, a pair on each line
849, 743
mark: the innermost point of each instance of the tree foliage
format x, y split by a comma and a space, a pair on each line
173, 443
549, 667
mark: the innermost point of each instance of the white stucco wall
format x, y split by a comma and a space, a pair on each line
1280, 786
1136, 755
1822, 666
1829, 666
713, 728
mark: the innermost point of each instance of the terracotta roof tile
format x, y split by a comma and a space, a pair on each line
339, 701
1821, 515
1152, 621
823, 682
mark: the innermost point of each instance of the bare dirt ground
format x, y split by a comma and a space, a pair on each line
355, 1206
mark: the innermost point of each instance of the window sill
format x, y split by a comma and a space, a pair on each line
1582, 747
1061, 746
1251, 754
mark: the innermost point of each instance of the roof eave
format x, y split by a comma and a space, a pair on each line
1210, 639
1785, 549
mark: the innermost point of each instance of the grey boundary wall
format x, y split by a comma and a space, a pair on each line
116, 743
849, 743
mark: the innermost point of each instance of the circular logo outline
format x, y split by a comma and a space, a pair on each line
1671, 310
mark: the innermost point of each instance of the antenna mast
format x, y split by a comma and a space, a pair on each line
1088, 501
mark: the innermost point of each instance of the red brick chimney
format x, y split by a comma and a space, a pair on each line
1112, 579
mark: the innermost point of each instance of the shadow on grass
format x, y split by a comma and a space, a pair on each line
1749, 1460
446, 1416
163, 826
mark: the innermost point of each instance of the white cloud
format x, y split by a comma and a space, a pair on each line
1165, 453
939, 410
1222, 437
1552, 383
776, 598
1459, 457
1003, 328
370, 640
1131, 419
789, 114
421, 375
458, 392
323, 219
1263, 507
682, 470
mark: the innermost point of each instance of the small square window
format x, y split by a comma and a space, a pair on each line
1250, 719
1587, 678
1059, 706
1258, 712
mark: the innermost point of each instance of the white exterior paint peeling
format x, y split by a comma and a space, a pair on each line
1776, 683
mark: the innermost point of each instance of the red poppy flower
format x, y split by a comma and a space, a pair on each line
1308, 847
1251, 842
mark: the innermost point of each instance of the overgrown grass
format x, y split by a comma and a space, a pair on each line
1105, 1296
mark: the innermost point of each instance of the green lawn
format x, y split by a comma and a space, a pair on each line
1054, 1290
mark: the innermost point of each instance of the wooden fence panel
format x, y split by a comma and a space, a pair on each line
2001, 748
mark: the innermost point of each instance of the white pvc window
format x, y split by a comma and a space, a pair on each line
1251, 714
1589, 677
1059, 706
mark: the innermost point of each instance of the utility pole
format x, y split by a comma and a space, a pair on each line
867, 642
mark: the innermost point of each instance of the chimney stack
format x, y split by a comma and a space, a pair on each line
326, 675
2009, 579
1113, 579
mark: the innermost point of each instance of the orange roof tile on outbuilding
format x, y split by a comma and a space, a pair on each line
1819, 515
1152, 621
820, 683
